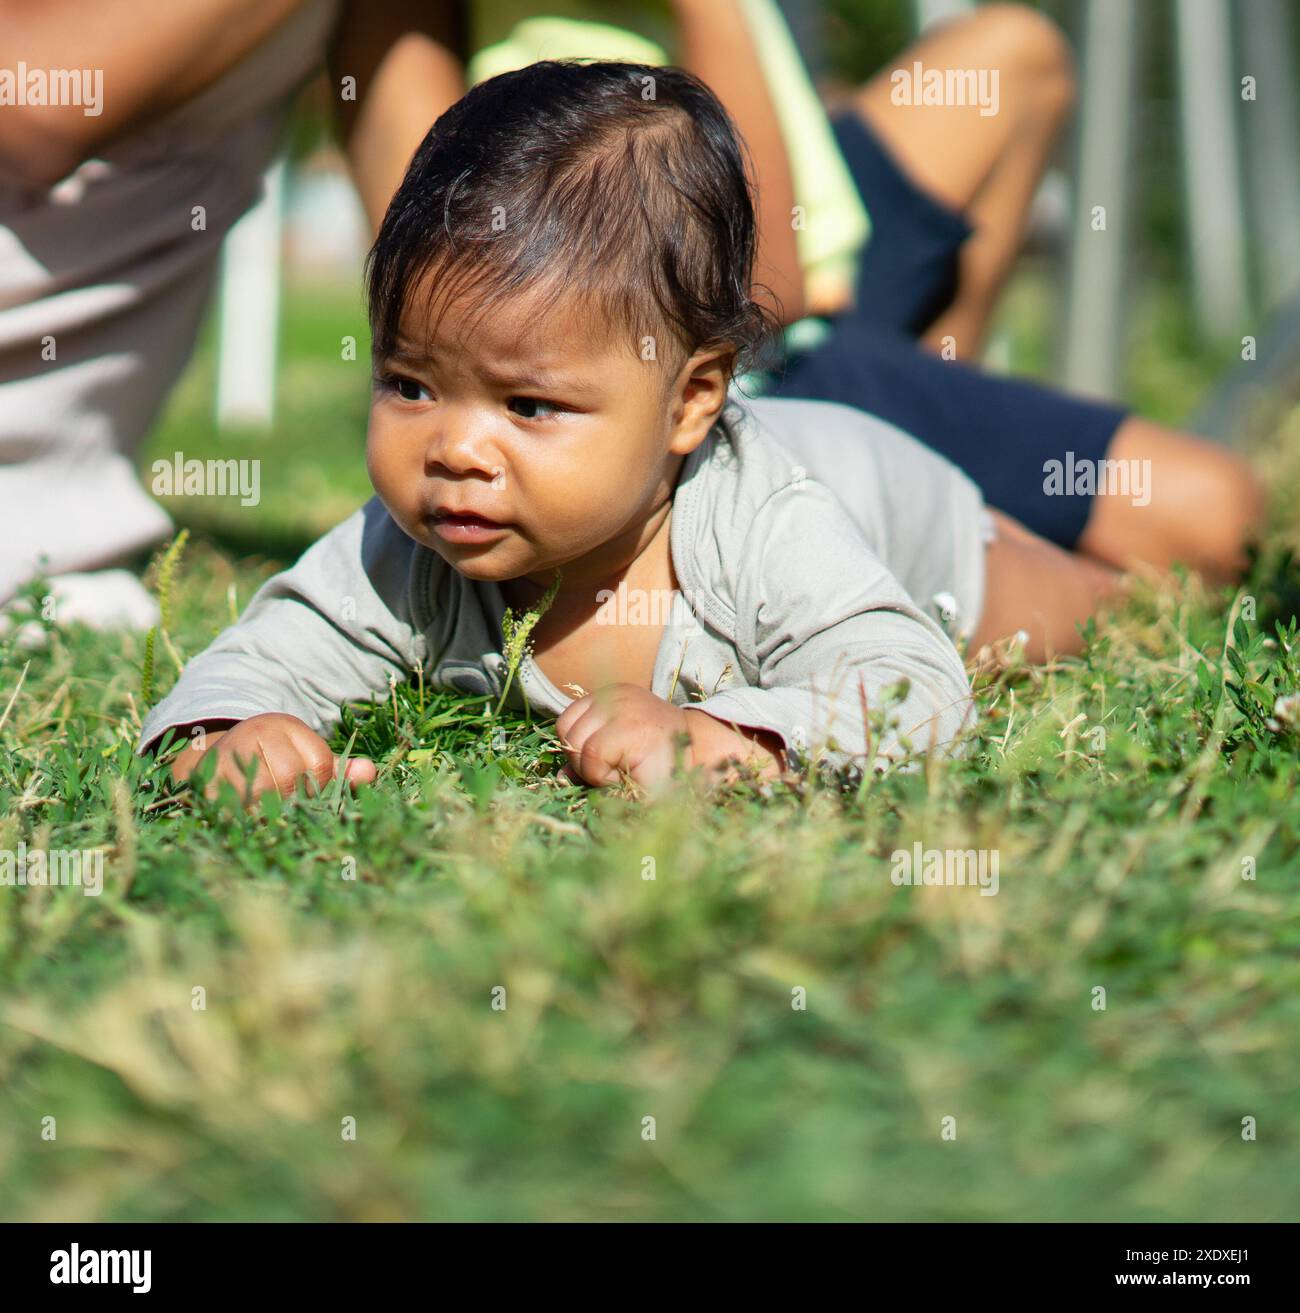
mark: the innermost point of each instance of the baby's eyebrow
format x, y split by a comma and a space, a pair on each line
405, 356
524, 375
533, 376
512, 373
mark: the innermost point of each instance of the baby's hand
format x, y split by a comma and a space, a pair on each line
285, 750
622, 730
626, 730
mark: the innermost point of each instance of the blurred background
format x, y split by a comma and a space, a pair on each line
1201, 257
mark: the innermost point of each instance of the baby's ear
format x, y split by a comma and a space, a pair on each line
701, 393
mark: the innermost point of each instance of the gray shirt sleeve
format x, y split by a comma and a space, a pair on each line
827, 630
330, 630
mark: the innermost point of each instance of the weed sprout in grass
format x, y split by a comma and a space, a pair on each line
420, 726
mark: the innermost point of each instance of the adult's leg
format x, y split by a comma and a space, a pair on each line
1035, 588
1205, 505
986, 166
1041, 456
1007, 434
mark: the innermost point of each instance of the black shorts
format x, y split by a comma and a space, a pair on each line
1000, 431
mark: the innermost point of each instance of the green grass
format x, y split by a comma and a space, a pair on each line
329, 997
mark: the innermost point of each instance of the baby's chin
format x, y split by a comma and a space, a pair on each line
488, 563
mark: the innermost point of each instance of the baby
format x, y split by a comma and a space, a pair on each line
560, 296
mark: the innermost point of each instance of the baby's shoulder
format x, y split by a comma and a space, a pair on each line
843, 446
767, 450
747, 511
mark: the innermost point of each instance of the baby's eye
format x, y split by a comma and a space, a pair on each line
406, 388
409, 390
533, 407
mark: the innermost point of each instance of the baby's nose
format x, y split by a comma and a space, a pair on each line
462, 451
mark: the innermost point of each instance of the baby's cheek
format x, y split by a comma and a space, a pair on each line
593, 500
384, 465
375, 451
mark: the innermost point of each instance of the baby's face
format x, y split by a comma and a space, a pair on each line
519, 443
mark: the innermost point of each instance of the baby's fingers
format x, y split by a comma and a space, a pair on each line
360, 771
603, 756
273, 762
220, 768
575, 729
569, 724
318, 767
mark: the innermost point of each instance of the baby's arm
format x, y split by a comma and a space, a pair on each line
830, 633
333, 629
825, 632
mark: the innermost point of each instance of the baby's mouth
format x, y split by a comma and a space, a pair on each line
464, 526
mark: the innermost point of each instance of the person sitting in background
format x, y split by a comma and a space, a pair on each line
111, 222
110, 229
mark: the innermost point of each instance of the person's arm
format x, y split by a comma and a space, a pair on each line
836, 643
334, 628
843, 668
408, 64
717, 46
153, 54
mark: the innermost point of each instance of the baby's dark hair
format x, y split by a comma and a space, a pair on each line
620, 183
